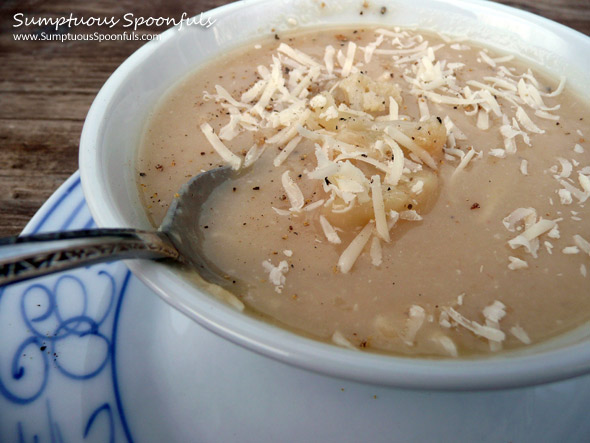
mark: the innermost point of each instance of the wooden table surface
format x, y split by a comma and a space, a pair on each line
46, 88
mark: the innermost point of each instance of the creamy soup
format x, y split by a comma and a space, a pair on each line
399, 191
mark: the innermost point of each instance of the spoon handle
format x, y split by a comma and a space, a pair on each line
32, 256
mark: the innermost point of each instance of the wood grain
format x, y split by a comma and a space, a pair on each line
46, 88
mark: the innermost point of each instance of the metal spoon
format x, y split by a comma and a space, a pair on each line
178, 238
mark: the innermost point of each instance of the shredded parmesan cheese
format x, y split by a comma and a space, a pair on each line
379, 208
447, 344
253, 154
293, 192
282, 156
376, 252
354, 249
464, 162
582, 243
569, 250
479, 330
329, 231
517, 263
414, 322
520, 334
524, 167
276, 274
526, 122
232, 159
342, 341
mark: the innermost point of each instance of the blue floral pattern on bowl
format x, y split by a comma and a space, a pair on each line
60, 338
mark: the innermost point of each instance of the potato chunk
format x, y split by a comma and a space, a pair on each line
431, 135
378, 142
362, 93
398, 198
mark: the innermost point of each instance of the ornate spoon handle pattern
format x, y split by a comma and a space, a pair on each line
22, 258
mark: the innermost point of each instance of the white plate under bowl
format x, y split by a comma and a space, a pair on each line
93, 355
115, 121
